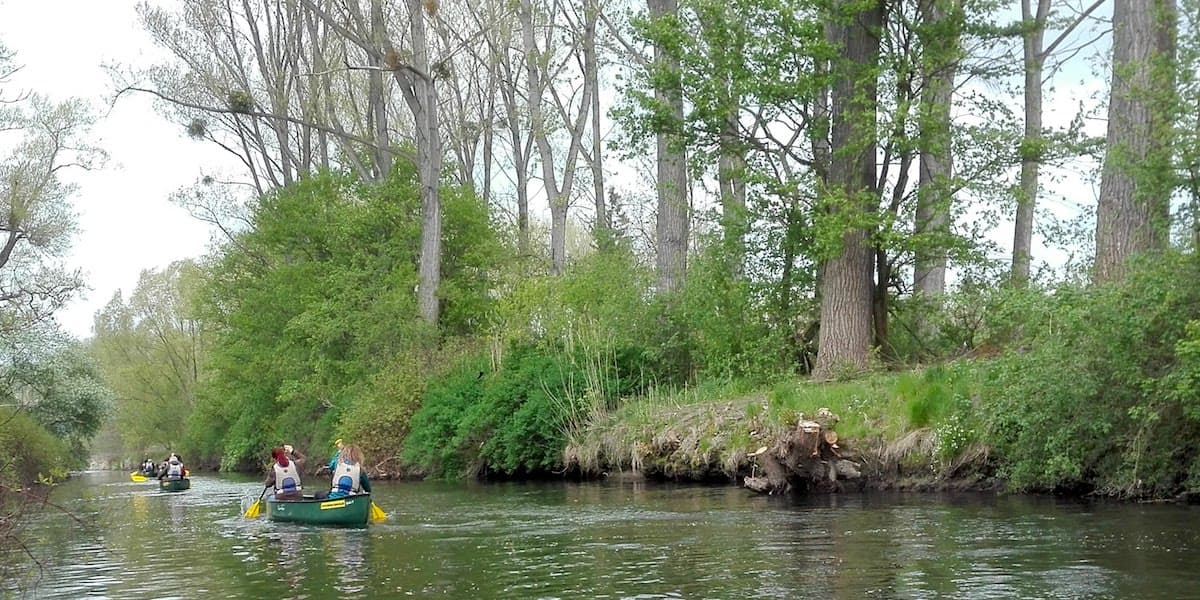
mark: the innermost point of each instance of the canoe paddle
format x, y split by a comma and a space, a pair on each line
377, 514
256, 508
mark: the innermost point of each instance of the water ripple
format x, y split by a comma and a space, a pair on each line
602, 541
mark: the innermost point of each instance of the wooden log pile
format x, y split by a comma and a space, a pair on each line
807, 458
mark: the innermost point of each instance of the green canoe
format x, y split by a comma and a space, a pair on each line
174, 485
351, 510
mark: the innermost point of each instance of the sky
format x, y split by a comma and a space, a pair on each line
127, 223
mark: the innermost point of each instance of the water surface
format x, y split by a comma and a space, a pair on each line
602, 540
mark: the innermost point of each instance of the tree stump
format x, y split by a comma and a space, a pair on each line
808, 457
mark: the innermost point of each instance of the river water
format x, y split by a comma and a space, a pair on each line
601, 540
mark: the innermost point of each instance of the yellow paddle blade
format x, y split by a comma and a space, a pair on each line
254, 509
377, 513
138, 477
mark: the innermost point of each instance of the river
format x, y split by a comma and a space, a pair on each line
601, 540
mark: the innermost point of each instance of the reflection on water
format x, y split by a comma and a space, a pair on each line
602, 540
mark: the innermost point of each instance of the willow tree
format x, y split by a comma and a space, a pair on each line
37, 222
1133, 214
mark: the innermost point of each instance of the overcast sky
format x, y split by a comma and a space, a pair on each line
127, 224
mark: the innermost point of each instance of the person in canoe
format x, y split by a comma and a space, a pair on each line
148, 468
333, 461
349, 476
174, 469
285, 473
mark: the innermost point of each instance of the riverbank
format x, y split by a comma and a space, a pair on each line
900, 431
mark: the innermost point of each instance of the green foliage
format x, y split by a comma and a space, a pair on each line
435, 444
598, 312
63, 391
508, 421
317, 299
1098, 388
378, 420
151, 350
29, 452
715, 327
1187, 120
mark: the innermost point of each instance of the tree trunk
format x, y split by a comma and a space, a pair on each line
731, 170
602, 231
674, 212
1031, 144
806, 458
936, 168
846, 286
377, 100
1133, 215
420, 93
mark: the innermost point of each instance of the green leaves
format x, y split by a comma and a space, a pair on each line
152, 349
1103, 392
61, 389
506, 421
314, 309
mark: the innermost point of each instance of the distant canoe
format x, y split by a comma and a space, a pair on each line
174, 485
349, 510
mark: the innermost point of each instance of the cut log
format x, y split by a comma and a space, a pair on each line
807, 457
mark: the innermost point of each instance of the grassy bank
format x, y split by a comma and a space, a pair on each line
902, 428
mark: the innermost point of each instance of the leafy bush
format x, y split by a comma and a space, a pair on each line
436, 443
378, 420
29, 452
1098, 389
508, 421
312, 306
716, 327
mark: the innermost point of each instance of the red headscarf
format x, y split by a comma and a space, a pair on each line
280, 456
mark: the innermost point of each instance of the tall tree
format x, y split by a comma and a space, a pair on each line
939, 30
846, 278
674, 210
1133, 214
724, 37
60, 386
541, 65
412, 71
500, 27
37, 222
1035, 24
420, 93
